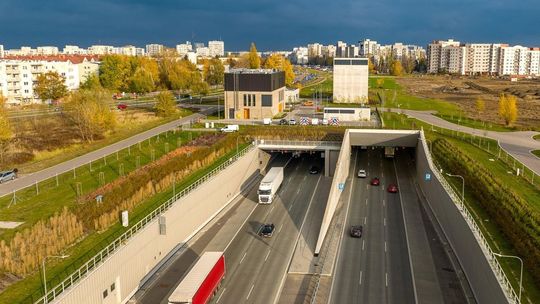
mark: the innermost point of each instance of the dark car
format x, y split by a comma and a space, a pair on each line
314, 170
122, 106
283, 122
392, 188
267, 230
375, 181
356, 231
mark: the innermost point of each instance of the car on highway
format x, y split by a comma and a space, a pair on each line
121, 106
362, 173
314, 170
375, 181
267, 230
392, 188
8, 175
282, 121
292, 121
308, 103
356, 231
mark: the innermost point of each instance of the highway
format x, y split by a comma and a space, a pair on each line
256, 266
374, 268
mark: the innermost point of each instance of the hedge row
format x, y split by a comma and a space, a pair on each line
519, 222
326, 133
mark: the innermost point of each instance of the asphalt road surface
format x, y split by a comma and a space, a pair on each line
374, 268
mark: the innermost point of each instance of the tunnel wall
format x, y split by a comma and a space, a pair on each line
145, 252
465, 245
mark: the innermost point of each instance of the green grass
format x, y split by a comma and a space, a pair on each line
537, 137
476, 124
490, 230
32, 206
323, 88
80, 149
30, 289
536, 152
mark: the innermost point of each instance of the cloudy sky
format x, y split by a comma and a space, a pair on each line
272, 24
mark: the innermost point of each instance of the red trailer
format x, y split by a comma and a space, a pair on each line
202, 282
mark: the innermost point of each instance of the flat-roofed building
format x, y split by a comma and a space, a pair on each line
254, 94
351, 80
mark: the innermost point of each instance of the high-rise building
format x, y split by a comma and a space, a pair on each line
154, 49
369, 47
217, 48
197, 45
183, 48
203, 52
47, 50
314, 50
100, 49
435, 54
1, 51
350, 80
74, 50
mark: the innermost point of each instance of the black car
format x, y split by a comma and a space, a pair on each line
314, 170
283, 122
267, 230
356, 231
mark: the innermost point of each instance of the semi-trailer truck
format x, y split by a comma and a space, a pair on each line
270, 185
202, 282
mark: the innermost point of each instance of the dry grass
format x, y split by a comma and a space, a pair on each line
464, 91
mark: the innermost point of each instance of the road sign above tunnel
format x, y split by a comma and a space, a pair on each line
341, 186
427, 177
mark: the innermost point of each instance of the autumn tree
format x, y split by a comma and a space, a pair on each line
371, 66
254, 59
144, 75
50, 86
396, 69
89, 111
380, 83
408, 63
91, 82
165, 104
508, 108
480, 105
114, 72
277, 61
5, 129
213, 72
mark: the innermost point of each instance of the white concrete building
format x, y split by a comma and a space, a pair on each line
216, 48
435, 54
314, 50
292, 95
350, 80
299, 55
154, 49
74, 50
100, 49
192, 57
47, 50
184, 48
369, 47
203, 52
1, 51
348, 114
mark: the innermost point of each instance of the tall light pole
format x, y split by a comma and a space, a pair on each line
521, 272
46, 299
462, 186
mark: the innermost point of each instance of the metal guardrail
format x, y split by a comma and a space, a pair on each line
126, 236
305, 143
510, 293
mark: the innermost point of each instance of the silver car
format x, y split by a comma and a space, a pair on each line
8, 175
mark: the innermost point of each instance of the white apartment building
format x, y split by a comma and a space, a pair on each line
435, 51
369, 47
154, 49
350, 80
184, 48
1, 51
47, 50
100, 49
217, 48
74, 50
329, 50
203, 52
314, 50
299, 55
130, 50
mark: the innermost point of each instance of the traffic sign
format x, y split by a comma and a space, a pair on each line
427, 177
341, 186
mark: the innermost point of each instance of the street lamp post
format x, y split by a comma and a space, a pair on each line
46, 299
462, 186
521, 272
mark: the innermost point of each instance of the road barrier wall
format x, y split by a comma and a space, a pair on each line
120, 274
483, 272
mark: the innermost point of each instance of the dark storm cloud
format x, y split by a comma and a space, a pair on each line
276, 24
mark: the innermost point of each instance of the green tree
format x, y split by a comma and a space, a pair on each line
114, 72
254, 59
176, 74
214, 71
508, 108
165, 104
89, 111
91, 82
396, 69
50, 86
6, 134
142, 81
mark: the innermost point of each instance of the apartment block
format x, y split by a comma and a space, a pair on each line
154, 49
254, 94
1, 51
216, 48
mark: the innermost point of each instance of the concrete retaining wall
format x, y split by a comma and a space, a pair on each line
133, 262
474, 263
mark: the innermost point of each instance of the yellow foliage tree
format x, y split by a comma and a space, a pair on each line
396, 68
254, 59
277, 61
371, 67
480, 105
5, 129
508, 108
380, 83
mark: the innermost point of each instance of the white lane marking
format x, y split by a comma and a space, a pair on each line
268, 254
365, 220
219, 298
384, 246
383, 203
382, 174
363, 243
360, 282
384, 221
305, 176
366, 201
386, 275
271, 209
280, 227
298, 191
290, 207
243, 258
252, 286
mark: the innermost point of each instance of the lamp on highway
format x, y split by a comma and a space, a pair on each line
45, 298
521, 272
462, 186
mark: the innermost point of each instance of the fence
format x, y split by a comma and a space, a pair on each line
484, 245
124, 238
299, 143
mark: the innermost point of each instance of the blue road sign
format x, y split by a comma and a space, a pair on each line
341, 186
427, 177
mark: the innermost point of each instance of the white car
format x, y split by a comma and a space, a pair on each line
230, 128
292, 121
325, 121
362, 173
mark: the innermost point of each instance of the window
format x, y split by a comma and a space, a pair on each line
266, 100
245, 100
105, 293
113, 287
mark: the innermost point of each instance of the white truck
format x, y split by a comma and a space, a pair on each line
270, 185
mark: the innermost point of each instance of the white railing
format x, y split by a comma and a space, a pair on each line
509, 292
126, 236
302, 143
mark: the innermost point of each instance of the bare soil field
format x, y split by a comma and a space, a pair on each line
464, 91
